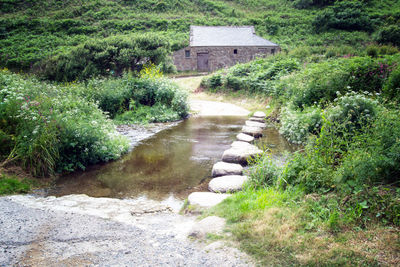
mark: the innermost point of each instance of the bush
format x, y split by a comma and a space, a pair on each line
391, 88
54, 128
389, 35
234, 83
353, 111
296, 126
109, 56
343, 15
215, 81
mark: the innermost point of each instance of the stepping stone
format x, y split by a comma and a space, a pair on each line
253, 131
229, 183
244, 145
259, 114
224, 168
256, 124
206, 199
208, 225
257, 119
240, 154
245, 137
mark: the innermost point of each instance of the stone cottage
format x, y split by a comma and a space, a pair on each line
212, 48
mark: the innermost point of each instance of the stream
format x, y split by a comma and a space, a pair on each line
167, 161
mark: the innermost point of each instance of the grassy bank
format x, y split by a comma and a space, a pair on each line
337, 201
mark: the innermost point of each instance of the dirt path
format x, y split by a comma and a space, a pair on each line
78, 230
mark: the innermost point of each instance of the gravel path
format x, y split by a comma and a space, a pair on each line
213, 108
77, 230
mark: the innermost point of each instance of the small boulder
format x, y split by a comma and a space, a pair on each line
253, 131
259, 114
208, 225
245, 137
257, 119
206, 199
256, 124
224, 168
242, 145
240, 154
229, 183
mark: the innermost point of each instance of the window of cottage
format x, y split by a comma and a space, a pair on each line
235, 51
187, 53
272, 51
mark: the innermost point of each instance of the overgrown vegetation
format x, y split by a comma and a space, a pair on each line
50, 128
76, 39
343, 107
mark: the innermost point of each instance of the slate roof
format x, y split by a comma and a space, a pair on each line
226, 36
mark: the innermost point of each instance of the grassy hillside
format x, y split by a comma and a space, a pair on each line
48, 35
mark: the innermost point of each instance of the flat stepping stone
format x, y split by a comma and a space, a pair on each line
256, 124
253, 131
245, 137
243, 145
257, 119
240, 155
259, 114
229, 183
224, 168
206, 199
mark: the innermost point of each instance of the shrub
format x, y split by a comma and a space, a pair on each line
234, 83
389, 35
353, 111
343, 15
54, 128
391, 88
296, 125
109, 56
215, 81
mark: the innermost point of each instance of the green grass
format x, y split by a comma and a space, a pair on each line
12, 185
279, 228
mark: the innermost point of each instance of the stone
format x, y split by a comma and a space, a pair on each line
224, 168
259, 114
253, 131
257, 119
256, 124
240, 154
208, 225
229, 183
245, 137
206, 199
242, 145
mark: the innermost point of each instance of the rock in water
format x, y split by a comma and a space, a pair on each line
253, 131
259, 114
224, 168
229, 183
208, 225
256, 124
245, 137
241, 144
206, 199
241, 154
257, 119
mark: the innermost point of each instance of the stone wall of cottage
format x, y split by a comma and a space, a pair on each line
219, 57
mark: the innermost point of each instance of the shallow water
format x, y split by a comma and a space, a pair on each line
166, 166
